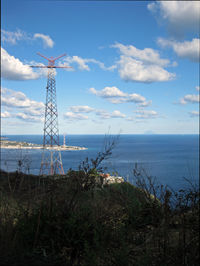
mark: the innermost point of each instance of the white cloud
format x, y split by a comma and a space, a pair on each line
147, 56
142, 65
101, 65
152, 7
190, 98
78, 60
5, 114
81, 109
30, 111
146, 113
108, 92
11, 98
76, 113
145, 103
83, 63
197, 88
29, 118
13, 37
181, 16
134, 70
103, 114
194, 113
117, 114
136, 98
48, 42
13, 69
115, 95
34, 111
106, 115
16, 100
186, 49
75, 116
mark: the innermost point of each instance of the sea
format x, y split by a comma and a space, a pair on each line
168, 158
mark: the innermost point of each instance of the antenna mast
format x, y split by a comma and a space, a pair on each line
64, 143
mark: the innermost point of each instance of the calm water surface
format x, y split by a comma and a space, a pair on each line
168, 157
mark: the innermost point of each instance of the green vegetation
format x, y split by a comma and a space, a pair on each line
74, 220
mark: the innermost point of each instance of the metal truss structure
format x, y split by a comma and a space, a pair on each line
51, 163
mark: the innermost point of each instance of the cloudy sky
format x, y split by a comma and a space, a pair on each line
135, 66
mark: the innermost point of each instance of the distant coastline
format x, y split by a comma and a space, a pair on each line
8, 144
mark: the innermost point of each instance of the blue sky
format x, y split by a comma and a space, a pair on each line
135, 66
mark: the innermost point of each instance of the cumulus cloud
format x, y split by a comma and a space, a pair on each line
197, 88
103, 114
146, 114
79, 61
190, 98
106, 115
34, 111
12, 37
5, 114
83, 63
117, 114
115, 95
108, 92
194, 113
181, 16
147, 55
136, 98
16, 100
102, 66
11, 98
186, 49
81, 109
47, 41
75, 113
29, 118
75, 116
142, 65
145, 103
13, 69
135, 70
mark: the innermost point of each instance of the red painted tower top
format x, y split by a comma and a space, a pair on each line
51, 62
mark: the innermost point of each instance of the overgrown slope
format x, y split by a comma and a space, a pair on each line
74, 220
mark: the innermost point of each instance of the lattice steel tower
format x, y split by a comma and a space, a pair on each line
51, 162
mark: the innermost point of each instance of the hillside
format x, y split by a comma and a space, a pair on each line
75, 220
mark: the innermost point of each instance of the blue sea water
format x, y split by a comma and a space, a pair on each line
167, 157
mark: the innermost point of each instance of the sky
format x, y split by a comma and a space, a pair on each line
135, 66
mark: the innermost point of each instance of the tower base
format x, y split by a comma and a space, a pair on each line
51, 163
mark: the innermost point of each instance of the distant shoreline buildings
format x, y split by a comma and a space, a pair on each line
7, 144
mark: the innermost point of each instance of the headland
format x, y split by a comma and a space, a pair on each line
8, 144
